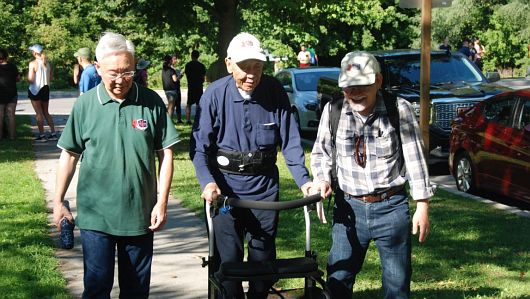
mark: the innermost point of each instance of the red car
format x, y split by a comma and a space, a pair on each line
490, 146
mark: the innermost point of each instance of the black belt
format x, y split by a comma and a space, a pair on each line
379, 196
245, 163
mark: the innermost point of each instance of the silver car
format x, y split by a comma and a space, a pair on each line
301, 87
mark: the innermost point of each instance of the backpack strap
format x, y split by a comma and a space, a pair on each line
391, 105
334, 109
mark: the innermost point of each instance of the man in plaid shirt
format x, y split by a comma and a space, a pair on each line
373, 165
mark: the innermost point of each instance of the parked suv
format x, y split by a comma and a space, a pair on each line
456, 84
301, 87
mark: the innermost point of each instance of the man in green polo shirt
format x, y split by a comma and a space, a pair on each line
118, 126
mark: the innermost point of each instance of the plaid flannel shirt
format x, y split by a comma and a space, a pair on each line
384, 159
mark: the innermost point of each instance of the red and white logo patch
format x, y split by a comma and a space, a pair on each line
140, 124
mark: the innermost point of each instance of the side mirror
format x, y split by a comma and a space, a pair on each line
493, 76
288, 88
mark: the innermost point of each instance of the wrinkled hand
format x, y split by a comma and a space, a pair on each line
59, 213
420, 220
306, 188
158, 216
324, 188
211, 192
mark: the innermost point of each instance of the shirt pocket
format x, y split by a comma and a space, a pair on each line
345, 144
267, 135
387, 144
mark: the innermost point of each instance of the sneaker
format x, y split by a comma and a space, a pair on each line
189, 122
53, 136
41, 138
179, 121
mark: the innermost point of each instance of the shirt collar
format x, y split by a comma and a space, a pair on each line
104, 97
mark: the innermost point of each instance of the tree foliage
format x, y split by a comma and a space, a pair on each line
332, 27
502, 26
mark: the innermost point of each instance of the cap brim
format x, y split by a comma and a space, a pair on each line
345, 81
248, 55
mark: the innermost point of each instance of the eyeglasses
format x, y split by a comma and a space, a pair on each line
360, 151
357, 88
126, 75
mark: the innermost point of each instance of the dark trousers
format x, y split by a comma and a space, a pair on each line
259, 229
134, 264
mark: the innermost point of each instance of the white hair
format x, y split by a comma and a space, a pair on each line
111, 43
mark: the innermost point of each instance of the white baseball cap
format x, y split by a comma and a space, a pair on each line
36, 48
245, 46
358, 68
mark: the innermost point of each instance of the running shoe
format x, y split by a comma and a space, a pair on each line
53, 136
41, 138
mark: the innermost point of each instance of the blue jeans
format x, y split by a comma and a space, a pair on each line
355, 224
135, 254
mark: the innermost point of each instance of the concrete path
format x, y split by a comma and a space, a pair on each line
176, 270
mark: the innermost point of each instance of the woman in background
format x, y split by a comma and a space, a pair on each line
39, 78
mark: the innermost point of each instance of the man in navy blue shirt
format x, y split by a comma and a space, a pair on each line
243, 119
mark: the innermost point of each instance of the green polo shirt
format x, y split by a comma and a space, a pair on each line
116, 190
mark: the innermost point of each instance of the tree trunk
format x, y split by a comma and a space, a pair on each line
225, 12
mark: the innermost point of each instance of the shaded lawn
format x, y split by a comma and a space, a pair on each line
28, 268
473, 251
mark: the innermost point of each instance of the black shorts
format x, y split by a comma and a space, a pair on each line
4, 100
42, 95
194, 95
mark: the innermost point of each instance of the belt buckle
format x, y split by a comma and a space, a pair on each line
384, 195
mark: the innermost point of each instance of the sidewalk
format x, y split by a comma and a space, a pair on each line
176, 269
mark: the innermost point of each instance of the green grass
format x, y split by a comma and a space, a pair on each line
28, 268
473, 251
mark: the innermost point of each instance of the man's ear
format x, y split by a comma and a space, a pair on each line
98, 68
228, 63
378, 80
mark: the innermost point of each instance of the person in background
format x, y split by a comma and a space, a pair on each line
9, 77
445, 45
76, 74
117, 127
245, 114
304, 57
313, 57
373, 164
140, 75
465, 50
39, 78
89, 77
479, 53
195, 73
171, 84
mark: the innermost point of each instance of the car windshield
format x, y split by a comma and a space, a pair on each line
308, 81
444, 70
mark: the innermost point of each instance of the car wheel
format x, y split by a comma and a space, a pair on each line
464, 173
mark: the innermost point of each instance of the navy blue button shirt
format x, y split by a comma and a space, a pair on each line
225, 120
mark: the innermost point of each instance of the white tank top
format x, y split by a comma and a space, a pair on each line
42, 78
